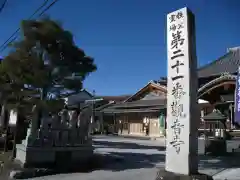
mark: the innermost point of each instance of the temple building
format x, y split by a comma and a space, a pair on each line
144, 113
139, 114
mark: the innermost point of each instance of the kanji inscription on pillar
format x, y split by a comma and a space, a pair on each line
181, 88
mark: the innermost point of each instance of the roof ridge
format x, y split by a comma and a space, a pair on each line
150, 82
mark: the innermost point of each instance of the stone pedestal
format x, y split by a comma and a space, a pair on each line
57, 139
34, 156
55, 144
165, 175
73, 137
37, 152
49, 156
65, 138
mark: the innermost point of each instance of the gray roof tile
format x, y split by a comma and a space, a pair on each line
215, 115
227, 63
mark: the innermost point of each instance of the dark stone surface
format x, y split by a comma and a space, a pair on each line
165, 175
217, 147
32, 171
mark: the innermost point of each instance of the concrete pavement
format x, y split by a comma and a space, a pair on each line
140, 160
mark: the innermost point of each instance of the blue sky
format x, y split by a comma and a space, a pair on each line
127, 38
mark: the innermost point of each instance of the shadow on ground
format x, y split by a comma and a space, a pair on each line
120, 161
231, 160
125, 145
123, 161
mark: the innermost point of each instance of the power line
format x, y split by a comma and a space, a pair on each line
47, 8
2, 47
12, 38
3, 5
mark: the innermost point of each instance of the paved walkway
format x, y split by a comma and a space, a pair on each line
140, 159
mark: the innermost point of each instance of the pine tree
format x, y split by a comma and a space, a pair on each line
42, 67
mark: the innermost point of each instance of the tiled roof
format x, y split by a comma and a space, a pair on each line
136, 110
142, 103
215, 115
227, 63
115, 98
104, 106
137, 106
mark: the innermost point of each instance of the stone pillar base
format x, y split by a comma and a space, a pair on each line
40, 157
165, 175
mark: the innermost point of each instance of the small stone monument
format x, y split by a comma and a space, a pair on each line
57, 141
183, 114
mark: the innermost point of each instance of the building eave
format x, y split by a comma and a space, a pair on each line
152, 83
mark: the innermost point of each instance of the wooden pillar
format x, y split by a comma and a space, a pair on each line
127, 120
115, 123
101, 122
231, 109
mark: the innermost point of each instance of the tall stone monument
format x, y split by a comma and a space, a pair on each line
183, 114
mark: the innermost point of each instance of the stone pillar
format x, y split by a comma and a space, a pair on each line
32, 138
231, 109
73, 120
34, 124
64, 127
79, 120
56, 130
73, 127
183, 114
2, 118
64, 118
